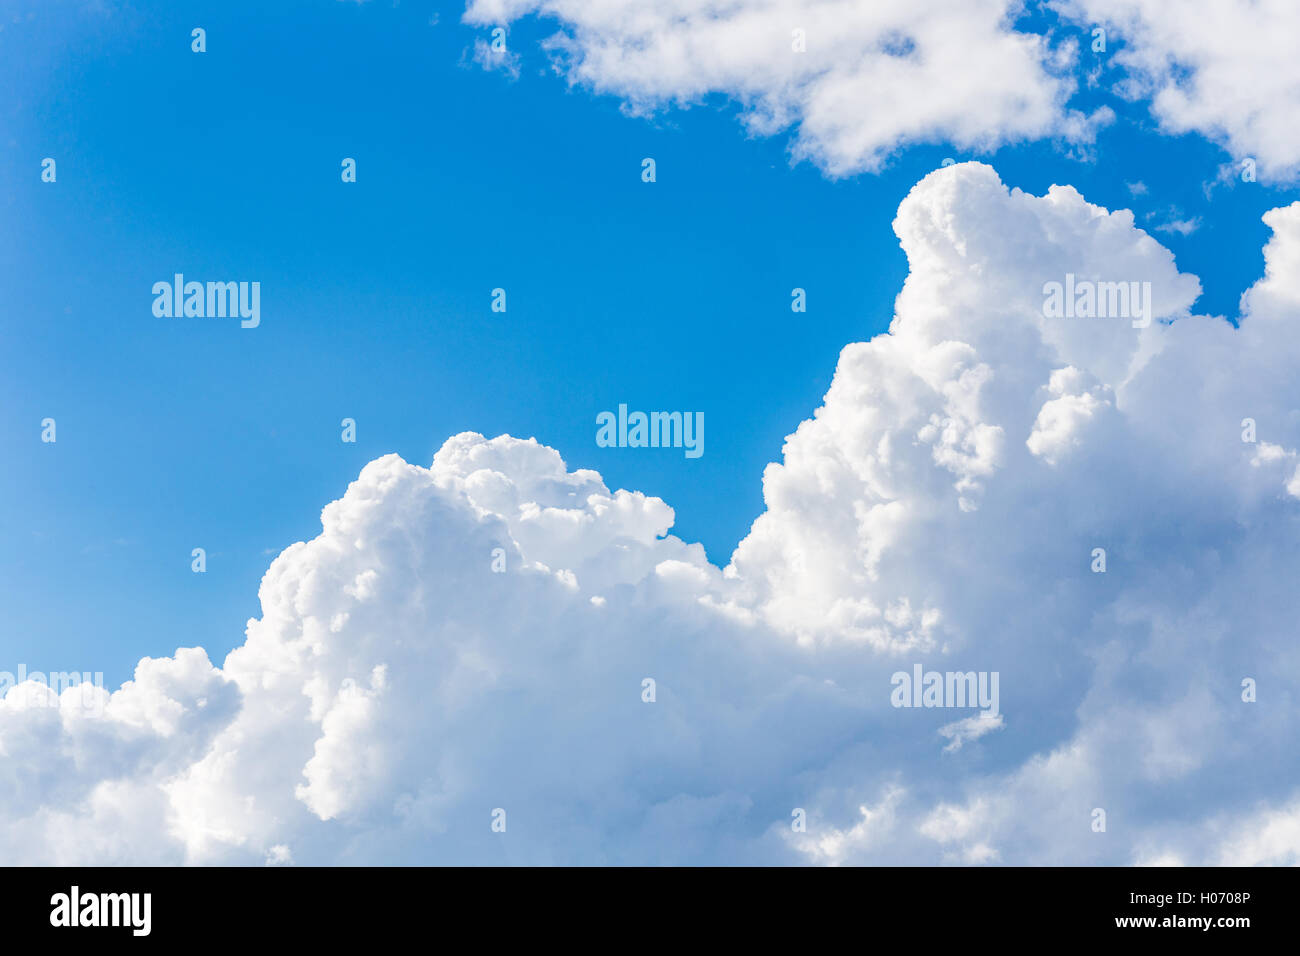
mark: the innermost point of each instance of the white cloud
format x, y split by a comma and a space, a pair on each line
1227, 70
870, 78
1182, 227
876, 77
940, 508
968, 728
506, 61
1268, 838
830, 846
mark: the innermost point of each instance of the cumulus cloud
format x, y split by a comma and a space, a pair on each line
1226, 70
478, 634
855, 82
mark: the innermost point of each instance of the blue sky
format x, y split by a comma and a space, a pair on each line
943, 512
375, 296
